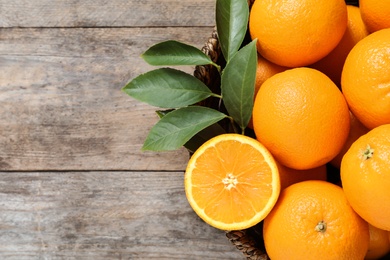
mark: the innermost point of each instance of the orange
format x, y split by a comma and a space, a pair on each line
332, 64
265, 69
379, 243
365, 176
357, 129
375, 14
297, 32
289, 176
313, 220
301, 117
365, 80
232, 182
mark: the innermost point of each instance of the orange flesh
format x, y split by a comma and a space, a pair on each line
237, 182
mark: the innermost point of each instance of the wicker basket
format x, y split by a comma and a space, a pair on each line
250, 241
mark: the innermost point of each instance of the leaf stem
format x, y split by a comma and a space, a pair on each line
216, 95
233, 124
218, 67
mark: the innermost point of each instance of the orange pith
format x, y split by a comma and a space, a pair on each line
232, 182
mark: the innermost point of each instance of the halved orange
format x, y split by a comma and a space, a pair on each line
232, 182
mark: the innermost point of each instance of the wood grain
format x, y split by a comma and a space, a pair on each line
134, 215
74, 183
61, 102
106, 13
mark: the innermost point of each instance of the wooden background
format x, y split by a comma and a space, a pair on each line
73, 181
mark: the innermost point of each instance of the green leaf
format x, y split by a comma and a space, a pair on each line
198, 139
232, 21
177, 127
238, 84
171, 53
209, 132
162, 113
167, 88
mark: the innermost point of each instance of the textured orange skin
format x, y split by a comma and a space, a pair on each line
301, 117
297, 33
289, 230
265, 69
365, 80
379, 243
290, 176
375, 14
366, 182
357, 129
332, 64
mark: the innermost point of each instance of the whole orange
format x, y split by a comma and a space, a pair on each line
297, 32
332, 64
313, 220
365, 176
289, 176
301, 117
357, 129
265, 69
365, 80
379, 243
375, 14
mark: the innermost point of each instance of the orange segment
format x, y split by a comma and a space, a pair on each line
232, 182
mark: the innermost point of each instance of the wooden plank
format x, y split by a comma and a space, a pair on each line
134, 215
61, 103
106, 13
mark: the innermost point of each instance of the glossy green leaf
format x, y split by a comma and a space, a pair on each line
238, 84
167, 88
209, 132
171, 53
177, 127
232, 21
202, 136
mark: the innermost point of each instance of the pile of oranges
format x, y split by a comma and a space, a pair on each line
322, 97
